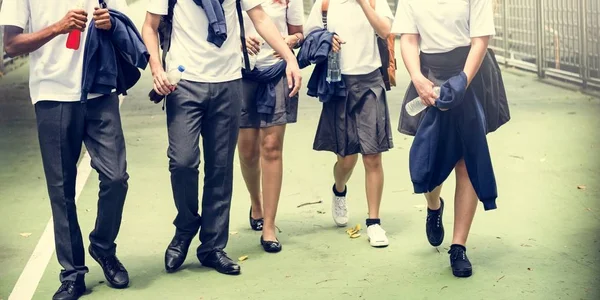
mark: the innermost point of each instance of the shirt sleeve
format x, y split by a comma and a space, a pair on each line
382, 8
295, 13
15, 13
315, 20
158, 7
404, 22
250, 4
481, 18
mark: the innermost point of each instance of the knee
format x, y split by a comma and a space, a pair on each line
249, 154
372, 161
271, 149
117, 180
184, 162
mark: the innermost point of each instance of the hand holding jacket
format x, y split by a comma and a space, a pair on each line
452, 92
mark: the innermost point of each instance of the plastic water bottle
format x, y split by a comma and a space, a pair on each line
74, 37
415, 106
334, 74
173, 76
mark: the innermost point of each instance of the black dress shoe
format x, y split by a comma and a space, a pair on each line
219, 261
114, 272
70, 290
270, 246
434, 226
176, 253
459, 262
256, 224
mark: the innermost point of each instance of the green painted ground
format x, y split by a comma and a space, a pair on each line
541, 243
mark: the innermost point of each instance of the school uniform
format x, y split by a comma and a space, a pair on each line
457, 126
445, 44
358, 122
65, 120
257, 110
207, 103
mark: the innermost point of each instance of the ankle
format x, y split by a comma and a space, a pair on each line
434, 205
336, 190
373, 221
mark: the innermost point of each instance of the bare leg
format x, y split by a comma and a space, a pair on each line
249, 152
465, 205
373, 183
343, 170
272, 167
433, 198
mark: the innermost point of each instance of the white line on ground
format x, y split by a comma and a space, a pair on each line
38, 261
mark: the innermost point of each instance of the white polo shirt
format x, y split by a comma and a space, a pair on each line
282, 15
55, 72
203, 61
444, 25
360, 54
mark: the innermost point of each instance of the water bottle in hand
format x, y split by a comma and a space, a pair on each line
74, 37
415, 106
173, 76
334, 74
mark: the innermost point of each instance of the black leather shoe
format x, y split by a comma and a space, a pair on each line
219, 261
459, 262
434, 226
270, 246
176, 253
256, 224
70, 290
114, 272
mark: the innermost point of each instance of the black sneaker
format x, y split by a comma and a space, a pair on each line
70, 290
459, 262
434, 226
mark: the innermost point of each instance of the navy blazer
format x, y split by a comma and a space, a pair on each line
112, 57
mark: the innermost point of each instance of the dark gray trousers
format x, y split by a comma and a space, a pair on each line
62, 127
210, 110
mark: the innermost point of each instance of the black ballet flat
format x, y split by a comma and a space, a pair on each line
270, 246
256, 224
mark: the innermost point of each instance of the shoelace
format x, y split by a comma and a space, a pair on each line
455, 254
340, 205
113, 264
68, 286
438, 219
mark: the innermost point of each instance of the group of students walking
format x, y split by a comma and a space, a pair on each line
245, 94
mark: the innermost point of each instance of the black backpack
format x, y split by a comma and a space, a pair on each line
165, 28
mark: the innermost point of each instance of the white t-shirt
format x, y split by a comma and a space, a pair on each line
444, 25
55, 72
281, 15
203, 61
360, 54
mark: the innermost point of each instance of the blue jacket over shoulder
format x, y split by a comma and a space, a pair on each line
217, 28
112, 58
315, 49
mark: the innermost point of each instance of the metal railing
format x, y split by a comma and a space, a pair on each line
554, 38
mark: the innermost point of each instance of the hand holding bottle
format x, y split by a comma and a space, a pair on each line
75, 19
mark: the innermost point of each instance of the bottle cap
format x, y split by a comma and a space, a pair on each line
181, 69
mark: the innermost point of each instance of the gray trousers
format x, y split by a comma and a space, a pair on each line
62, 127
210, 110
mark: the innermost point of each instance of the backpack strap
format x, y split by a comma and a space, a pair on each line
324, 8
169, 31
238, 7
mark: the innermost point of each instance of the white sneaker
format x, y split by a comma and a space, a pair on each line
377, 237
339, 210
